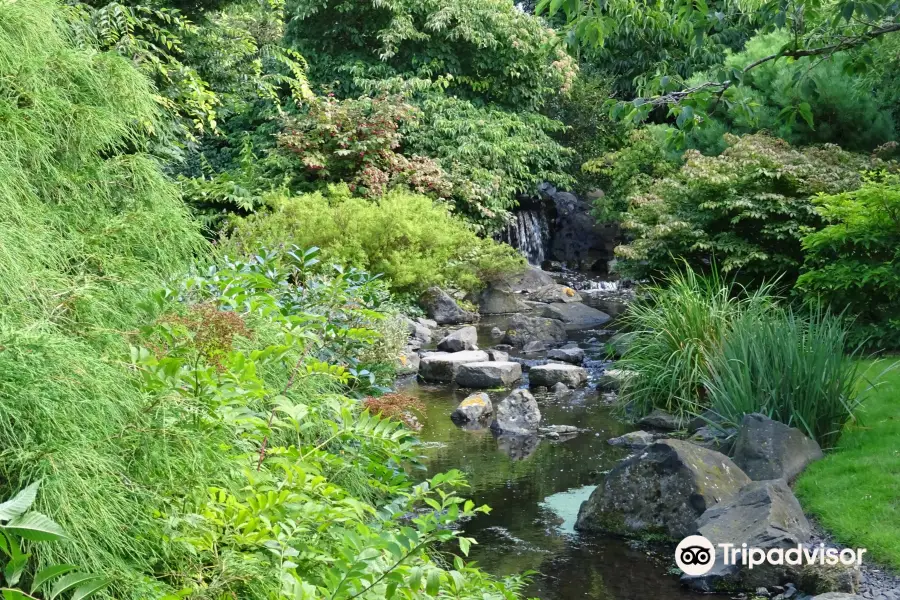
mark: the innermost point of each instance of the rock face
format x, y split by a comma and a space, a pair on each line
487, 375
517, 414
660, 419
569, 355
465, 338
765, 515
522, 329
662, 490
579, 240
409, 363
575, 315
550, 374
473, 409
555, 293
494, 301
443, 366
443, 309
767, 449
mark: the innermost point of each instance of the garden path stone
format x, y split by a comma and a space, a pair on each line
487, 375
443, 366
550, 374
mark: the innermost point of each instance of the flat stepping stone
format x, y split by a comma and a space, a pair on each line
551, 374
442, 367
486, 375
575, 315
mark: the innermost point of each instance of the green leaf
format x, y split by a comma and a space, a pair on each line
806, 113
13, 570
464, 545
49, 573
36, 527
70, 581
88, 590
433, 582
19, 503
14, 595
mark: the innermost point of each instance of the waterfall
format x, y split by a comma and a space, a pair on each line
529, 232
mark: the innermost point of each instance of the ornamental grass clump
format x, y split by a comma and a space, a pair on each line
794, 368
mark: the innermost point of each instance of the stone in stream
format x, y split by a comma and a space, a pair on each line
429, 323
498, 355
521, 329
619, 343
496, 332
493, 301
465, 338
611, 380
517, 414
473, 409
487, 375
555, 293
575, 315
534, 347
764, 515
409, 362
660, 419
767, 449
550, 374
443, 366
636, 440
443, 309
530, 280
569, 355
662, 490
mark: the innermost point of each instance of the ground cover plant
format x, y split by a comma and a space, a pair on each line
853, 491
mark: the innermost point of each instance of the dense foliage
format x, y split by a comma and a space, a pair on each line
747, 210
853, 264
414, 241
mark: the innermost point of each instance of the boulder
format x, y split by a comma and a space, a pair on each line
575, 315
636, 440
443, 366
473, 409
569, 355
550, 374
560, 388
662, 490
619, 343
530, 280
612, 379
409, 362
429, 323
487, 375
714, 438
493, 301
660, 419
443, 309
767, 449
534, 347
465, 338
555, 293
517, 414
496, 332
764, 515
522, 329
498, 355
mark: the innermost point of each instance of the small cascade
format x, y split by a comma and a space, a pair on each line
529, 232
592, 285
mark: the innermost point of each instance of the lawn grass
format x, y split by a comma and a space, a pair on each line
855, 491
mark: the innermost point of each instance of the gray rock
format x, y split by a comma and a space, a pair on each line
764, 515
534, 347
487, 375
555, 293
444, 309
493, 301
550, 374
714, 438
443, 366
498, 355
662, 490
429, 323
473, 409
619, 343
660, 419
575, 315
569, 355
837, 596
517, 414
636, 440
522, 329
530, 280
560, 388
409, 362
421, 333
559, 429
767, 449
496, 332
465, 338
611, 380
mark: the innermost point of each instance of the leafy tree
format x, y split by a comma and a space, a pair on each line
746, 210
853, 264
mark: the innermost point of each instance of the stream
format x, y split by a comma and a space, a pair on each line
536, 485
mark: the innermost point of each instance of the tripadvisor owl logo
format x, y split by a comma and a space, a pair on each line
695, 555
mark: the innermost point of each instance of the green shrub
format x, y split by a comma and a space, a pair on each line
413, 241
677, 329
747, 209
853, 264
796, 369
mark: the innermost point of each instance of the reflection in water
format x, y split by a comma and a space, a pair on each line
534, 487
